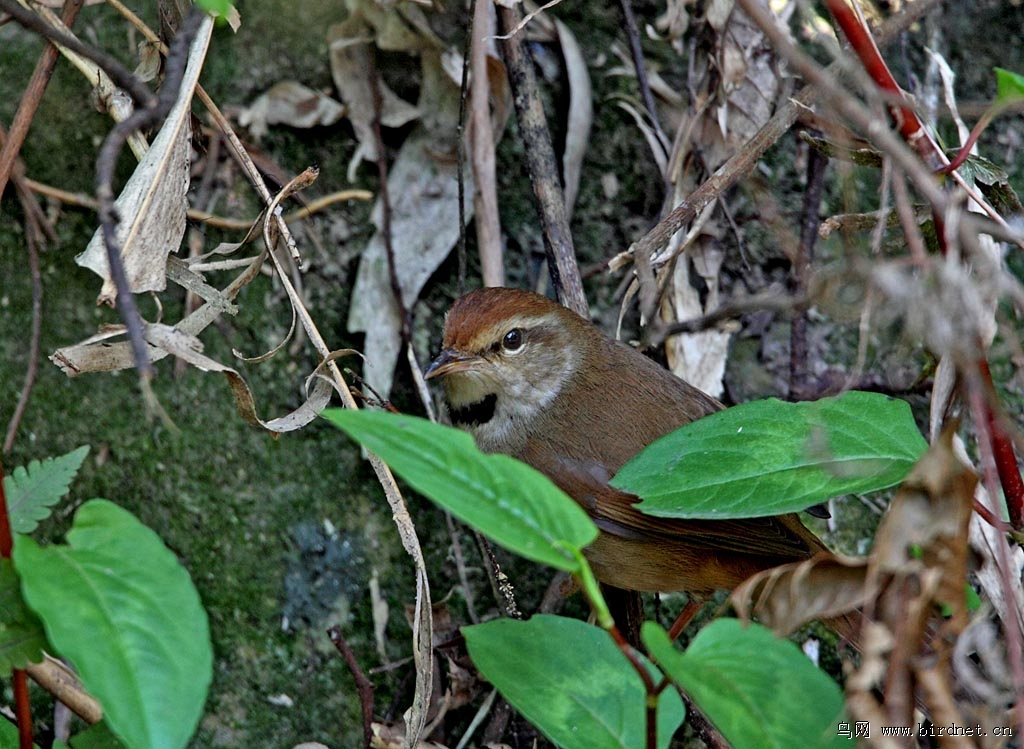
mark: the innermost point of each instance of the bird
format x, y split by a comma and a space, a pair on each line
529, 378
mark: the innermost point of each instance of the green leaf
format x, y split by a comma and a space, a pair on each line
1009, 87
21, 633
118, 605
769, 457
759, 690
973, 599
570, 680
215, 7
504, 499
9, 735
98, 736
33, 491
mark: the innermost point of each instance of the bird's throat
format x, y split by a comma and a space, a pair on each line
474, 414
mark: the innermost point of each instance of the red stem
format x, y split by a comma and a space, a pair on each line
6, 540
914, 133
22, 708
1002, 453
863, 44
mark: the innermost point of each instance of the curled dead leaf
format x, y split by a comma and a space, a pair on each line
827, 586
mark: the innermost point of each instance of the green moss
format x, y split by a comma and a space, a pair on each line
226, 497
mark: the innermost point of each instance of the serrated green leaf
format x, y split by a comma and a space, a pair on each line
978, 169
993, 182
570, 680
769, 457
504, 499
33, 491
116, 603
21, 633
1009, 86
759, 690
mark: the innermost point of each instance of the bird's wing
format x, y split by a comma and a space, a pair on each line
612, 510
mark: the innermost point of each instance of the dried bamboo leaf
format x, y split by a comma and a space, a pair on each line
581, 114
152, 207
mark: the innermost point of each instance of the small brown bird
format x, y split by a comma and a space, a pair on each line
532, 379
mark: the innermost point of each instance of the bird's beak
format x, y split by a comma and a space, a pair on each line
450, 361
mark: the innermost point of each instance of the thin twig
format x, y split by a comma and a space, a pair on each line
811, 217
481, 135
637, 53
422, 627
460, 568
744, 161
504, 591
81, 200
977, 389
57, 679
32, 370
772, 299
32, 96
460, 147
363, 685
119, 74
541, 165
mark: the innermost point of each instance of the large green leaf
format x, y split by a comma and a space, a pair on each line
759, 690
504, 499
33, 491
769, 457
570, 680
21, 633
118, 605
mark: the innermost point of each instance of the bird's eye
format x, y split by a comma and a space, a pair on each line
512, 340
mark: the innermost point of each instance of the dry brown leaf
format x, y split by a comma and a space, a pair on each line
926, 526
152, 207
917, 566
397, 27
423, 186
293, 104
389, 736
581, 114
149, 61
347, 43
190, 349
787, 597
699, 358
